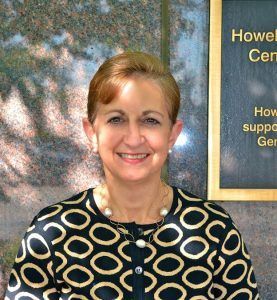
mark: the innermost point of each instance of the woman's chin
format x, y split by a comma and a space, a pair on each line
135, 177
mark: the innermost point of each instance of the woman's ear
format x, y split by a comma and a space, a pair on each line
90, 133
175, 132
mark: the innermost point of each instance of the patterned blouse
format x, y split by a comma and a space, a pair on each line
72, 251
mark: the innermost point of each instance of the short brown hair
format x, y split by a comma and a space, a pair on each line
115, 72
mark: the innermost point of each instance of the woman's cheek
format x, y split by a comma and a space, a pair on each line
159, 141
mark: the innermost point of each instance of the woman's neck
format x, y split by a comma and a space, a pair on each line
134, 202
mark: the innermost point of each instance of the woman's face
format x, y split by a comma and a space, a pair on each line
133, 133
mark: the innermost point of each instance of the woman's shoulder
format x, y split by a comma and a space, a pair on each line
204, 218
64, 218
79, 203
189, 203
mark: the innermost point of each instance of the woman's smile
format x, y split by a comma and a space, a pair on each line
133, 158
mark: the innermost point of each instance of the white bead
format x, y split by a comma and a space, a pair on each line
138, 270
163, 211
108, 212
140, 243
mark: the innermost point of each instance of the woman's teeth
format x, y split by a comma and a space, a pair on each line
132, 156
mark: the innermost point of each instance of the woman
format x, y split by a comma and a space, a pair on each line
133, 237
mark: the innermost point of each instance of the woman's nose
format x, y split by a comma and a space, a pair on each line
133, 136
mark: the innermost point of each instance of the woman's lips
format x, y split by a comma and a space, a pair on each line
133, 158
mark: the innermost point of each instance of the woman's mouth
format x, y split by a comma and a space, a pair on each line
133, 158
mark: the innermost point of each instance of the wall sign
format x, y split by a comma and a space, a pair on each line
243, 100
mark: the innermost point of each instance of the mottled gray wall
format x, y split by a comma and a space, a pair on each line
189, 64
49, 51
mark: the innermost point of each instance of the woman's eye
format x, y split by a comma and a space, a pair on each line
151, 121
115, 120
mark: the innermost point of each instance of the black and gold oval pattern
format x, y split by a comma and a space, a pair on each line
71, 251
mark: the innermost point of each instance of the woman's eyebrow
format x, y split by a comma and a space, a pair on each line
147, 112
115, 110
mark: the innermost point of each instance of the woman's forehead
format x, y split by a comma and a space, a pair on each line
139, 92
138, 96
134, 84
